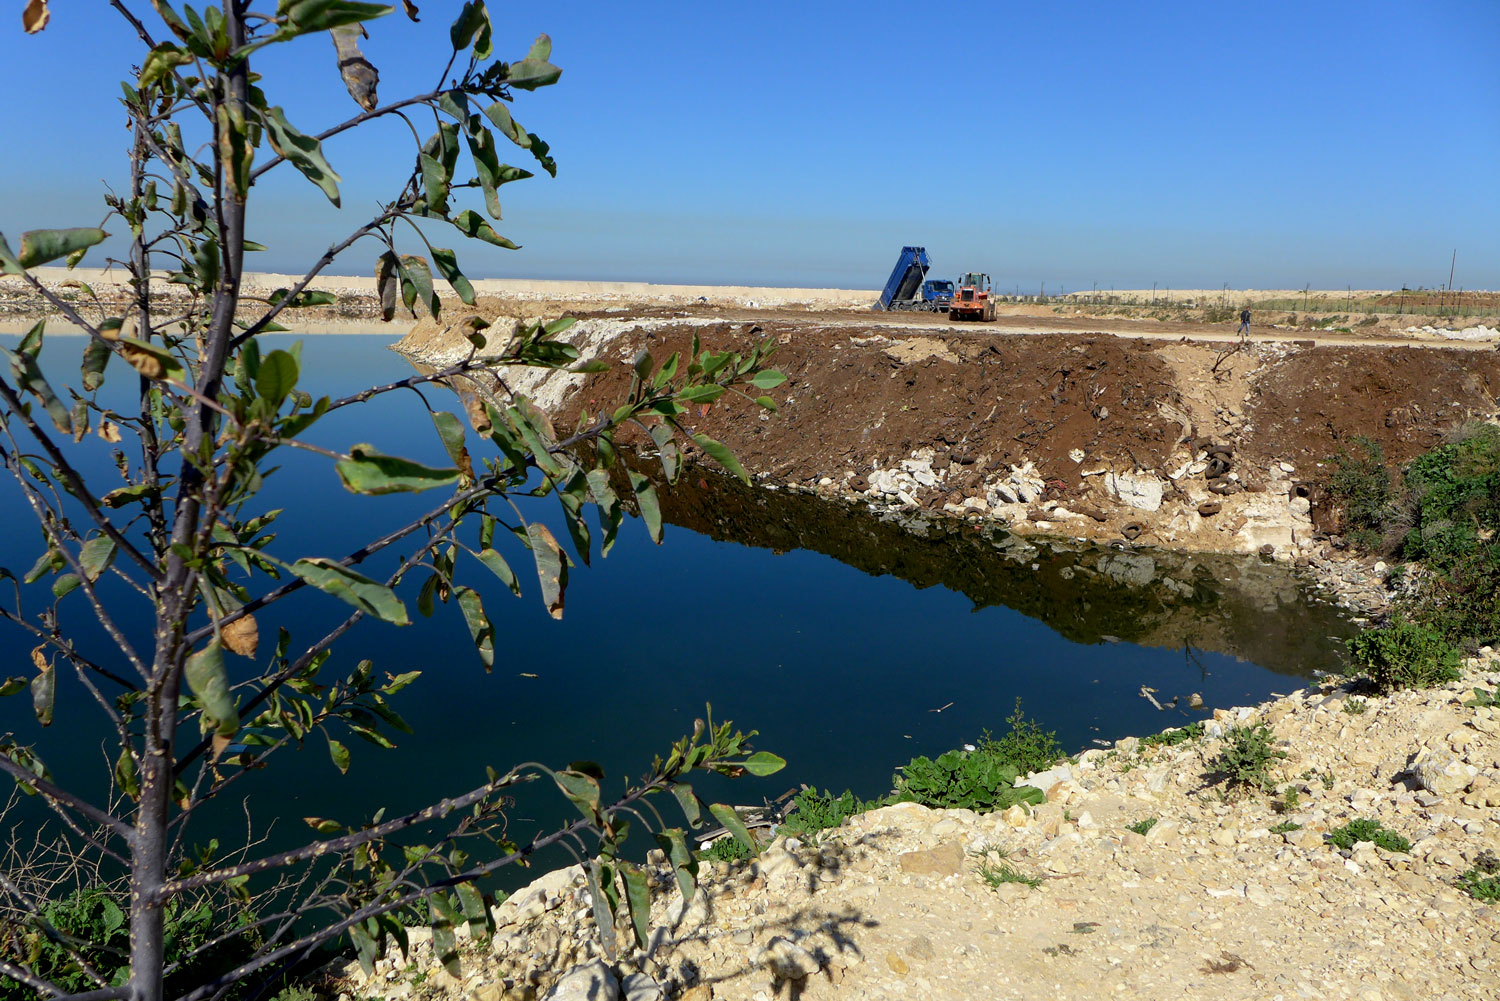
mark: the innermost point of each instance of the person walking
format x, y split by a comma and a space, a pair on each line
1244, 330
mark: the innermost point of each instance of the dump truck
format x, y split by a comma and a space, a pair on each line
972, 300
909, 287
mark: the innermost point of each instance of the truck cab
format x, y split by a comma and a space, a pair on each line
937, 293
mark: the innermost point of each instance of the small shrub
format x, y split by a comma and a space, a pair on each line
982, 779
1361, 485
1247, 757
1482, 881
1356, 706
726, 849
1368, 830
1174, 736
1285, 827
995, 873
1288, 802
1142, 826
1402, 654
821, 811
1025, 744
1482, 698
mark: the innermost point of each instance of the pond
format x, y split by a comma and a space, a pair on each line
850, 641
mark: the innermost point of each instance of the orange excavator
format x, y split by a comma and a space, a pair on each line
972, 299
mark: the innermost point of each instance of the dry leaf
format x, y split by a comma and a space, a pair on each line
219, 744
39, 660
359, 75
242, 636
474, 409
143, 361
109, 432
35, 17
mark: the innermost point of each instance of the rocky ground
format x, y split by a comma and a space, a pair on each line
1229, 894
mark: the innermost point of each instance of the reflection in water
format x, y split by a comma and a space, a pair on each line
1236, 605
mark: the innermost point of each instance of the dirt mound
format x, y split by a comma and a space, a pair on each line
1314, 401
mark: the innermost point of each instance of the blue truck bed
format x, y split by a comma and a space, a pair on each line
905, 283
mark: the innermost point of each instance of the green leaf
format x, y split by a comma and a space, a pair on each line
706, 393
29, 377
767, 379
582, 790
446, 262
764, 763
38, 246
645, 496
209, 681
608, 505
534, 71
434, 184
126, 776
471, 20
95, 357
637, 900
767, 403
387, 284
472, 225
551, 567
353, 588
688, 800
303, 151
44, 696
732, 822
321, 15
96, 555
604, 908
10, 686
451, 431
666, 450
340, 755
65, 585
414, 269
276, 377
480, 629
497, 566
722, 456
500, 115
482, 148
367, 471
364, 947
684, 863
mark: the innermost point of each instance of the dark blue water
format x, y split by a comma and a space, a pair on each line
847, 666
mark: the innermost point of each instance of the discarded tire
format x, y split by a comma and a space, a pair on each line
1209, 508
1132, 530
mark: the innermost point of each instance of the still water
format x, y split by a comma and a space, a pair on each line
850, 642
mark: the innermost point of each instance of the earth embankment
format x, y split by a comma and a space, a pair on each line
1182, 444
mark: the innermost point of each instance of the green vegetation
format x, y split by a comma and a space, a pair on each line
97, 917
996, 871
1356, 706
1482, 698
1289, 801
1445, 514
726, 849
1247, 757
1482, 880
982, 779
816, 812
1368, 830
1285, 827
1402, 654
1362, 486
1142, 826
1174, 736
207, 412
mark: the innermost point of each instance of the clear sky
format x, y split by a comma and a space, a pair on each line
1267, 144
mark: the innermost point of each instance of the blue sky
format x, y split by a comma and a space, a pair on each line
1189, 144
